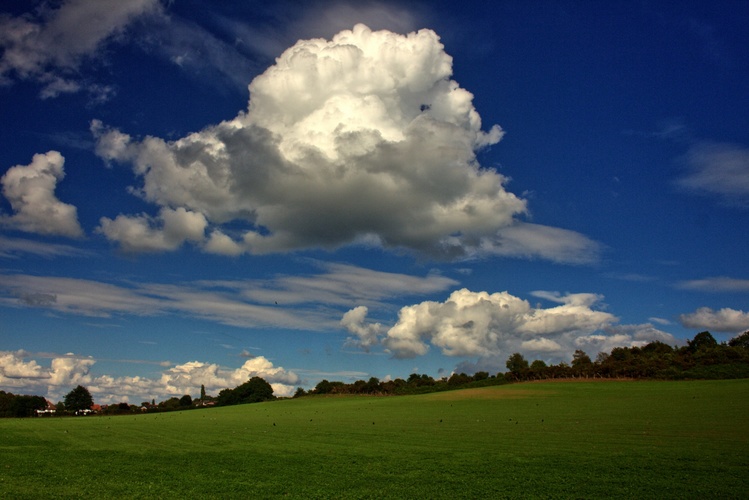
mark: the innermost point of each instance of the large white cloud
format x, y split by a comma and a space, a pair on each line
489, 325
30, 189
49, 44
21, 374
364, 139
724, 320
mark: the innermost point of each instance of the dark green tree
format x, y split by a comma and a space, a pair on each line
517, 364
581, 363
740, 340
185, 400
300, 392
538, 369
323, 387
372, 386
78, 399
24, 406
701, 342
202, 393
580, 359
253, 391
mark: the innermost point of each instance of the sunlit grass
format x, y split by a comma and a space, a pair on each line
581, 440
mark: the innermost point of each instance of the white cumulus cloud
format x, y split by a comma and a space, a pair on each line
30, 189
489, 325
724, 320
142, 233
360, 139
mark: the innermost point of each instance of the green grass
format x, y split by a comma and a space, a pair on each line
537, 440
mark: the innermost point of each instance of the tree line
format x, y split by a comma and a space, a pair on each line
80, 402
701, 358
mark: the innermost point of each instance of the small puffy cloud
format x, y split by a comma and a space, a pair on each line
14, 368
485, 325
361, 139
724, 320
48, 45
366, 334
719, 169
20, 373
142, 233
623, 336
30, 189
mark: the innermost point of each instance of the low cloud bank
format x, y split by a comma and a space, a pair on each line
492, 326
20, 373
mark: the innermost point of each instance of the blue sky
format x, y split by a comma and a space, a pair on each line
200, 192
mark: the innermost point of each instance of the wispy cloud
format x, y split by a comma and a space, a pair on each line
49, 45
716, 284
16, 247
718, 169
304, 302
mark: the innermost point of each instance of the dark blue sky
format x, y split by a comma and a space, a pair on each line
356, 213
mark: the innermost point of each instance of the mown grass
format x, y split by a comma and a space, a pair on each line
536, 440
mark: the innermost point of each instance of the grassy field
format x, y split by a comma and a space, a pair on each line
542, 440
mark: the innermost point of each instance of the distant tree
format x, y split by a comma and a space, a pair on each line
740, 340
185, 400
372, 386
538, 369
480, 376
78, 399
323, 387
417, 380
701, 341
457, 379
6, 404
170, 404
581, 363
580, 359
300, 392
517, 364
202, 393
537, 365
253, 391
657, 348
24, 406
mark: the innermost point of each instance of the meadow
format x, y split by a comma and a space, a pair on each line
614, 439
